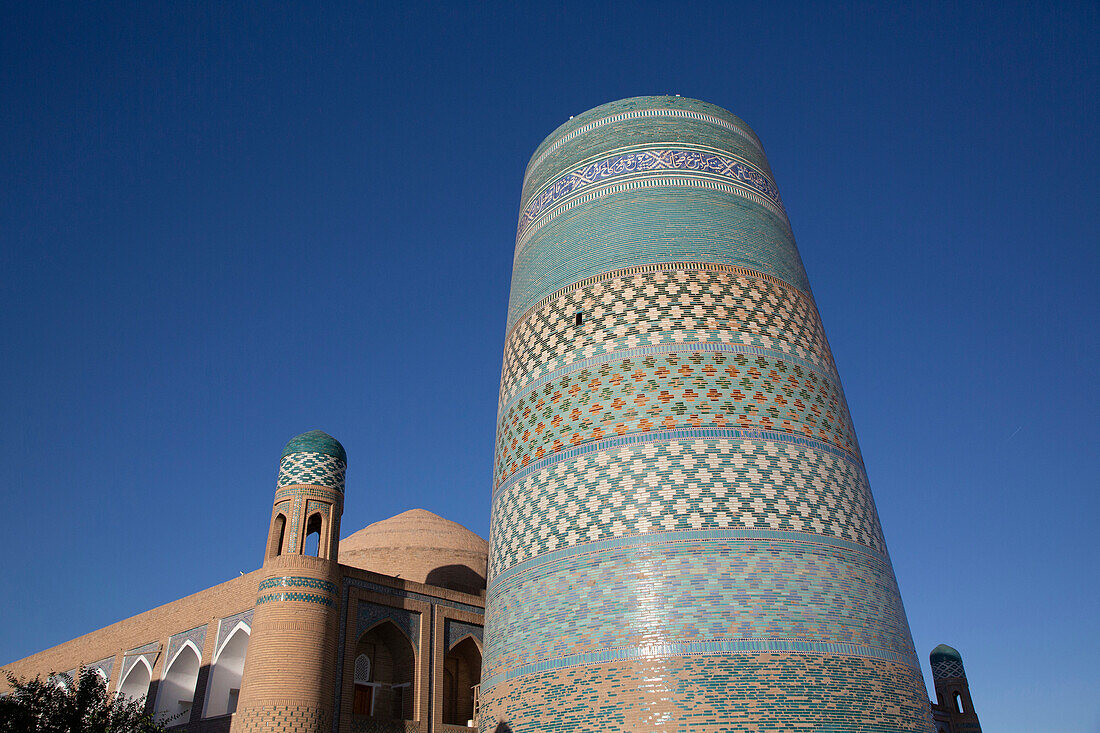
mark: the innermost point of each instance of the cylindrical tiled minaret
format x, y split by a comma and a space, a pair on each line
682, 536
289, 671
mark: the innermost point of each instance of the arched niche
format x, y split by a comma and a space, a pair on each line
176, 691
461, 672
135, 685
224, 687
384, 683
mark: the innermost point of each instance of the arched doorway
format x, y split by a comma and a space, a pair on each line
136, 683
225, 679
461, 671
385, 667
176, 691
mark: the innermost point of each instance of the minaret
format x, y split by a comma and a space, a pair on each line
952, 690
288, 681
682, 536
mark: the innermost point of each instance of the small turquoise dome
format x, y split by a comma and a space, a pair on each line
316, 441
946, 662
943, 653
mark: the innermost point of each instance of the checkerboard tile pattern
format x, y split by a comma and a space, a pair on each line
682, 485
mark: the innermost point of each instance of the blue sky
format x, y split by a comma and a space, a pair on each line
221, 226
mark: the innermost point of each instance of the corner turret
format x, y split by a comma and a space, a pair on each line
289, 680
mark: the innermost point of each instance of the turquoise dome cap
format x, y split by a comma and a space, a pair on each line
943, 653
316, 441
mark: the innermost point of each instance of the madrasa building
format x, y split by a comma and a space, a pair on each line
682, 533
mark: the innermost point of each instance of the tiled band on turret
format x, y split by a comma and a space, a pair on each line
682, 534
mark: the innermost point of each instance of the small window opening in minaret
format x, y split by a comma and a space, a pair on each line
278, 528
313, 536
959, 703
579, 319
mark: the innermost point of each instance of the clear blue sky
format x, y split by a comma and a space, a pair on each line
223, 226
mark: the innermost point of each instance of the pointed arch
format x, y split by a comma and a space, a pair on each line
391, 661
135, 685
313, 544
461, 673
224, 687
275, 540
176, 691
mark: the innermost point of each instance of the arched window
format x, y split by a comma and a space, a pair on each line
225, 681
391, 667
461, 672
136, 683
958, 703
313, 536
176, 691
275, 542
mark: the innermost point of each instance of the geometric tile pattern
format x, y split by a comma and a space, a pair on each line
370, 614
456, 631
647, 306
229, 623
319, 469
148, 652
325, 595
701, 167
665, 391
764, 693
294, 596
682, 485
682, 533
290, 581
196, 636
105, 666
947, 668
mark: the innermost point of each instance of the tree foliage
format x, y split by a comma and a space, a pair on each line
56, 705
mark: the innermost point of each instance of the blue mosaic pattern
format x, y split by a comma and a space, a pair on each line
317, 469
301, 597
298, 581
105, 666
148, 652
682, 536
456, 631
545, 150
370, 614
697, 589
742, 178
196, 636
670, 485
637, 121
229, 623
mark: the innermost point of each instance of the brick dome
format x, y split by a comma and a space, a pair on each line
420, 546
